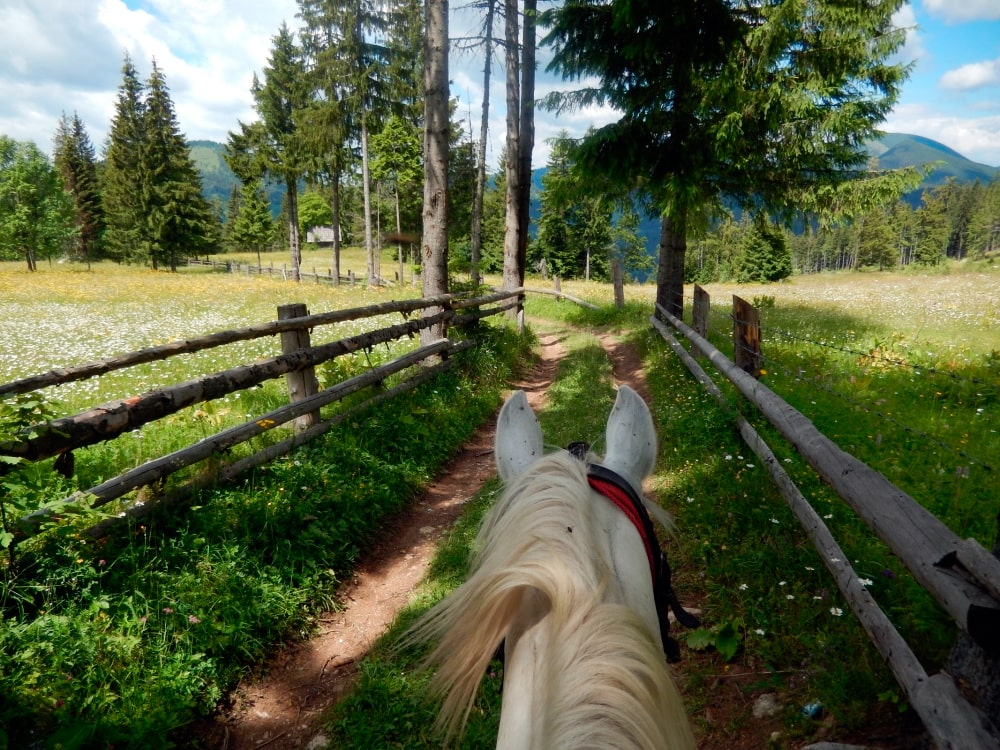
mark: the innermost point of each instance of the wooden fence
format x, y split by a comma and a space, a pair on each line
60, 437
283, 272
959, 573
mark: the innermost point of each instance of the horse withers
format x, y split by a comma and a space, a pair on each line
564, 579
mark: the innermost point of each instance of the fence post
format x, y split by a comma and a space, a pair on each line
746, 337
700, 311
619, 282
557, 285
302, 383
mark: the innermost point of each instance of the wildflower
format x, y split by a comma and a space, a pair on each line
168, 610
193, 620
759, 631
782, 583
789, 596
775, 520
743, 587
750, 466
729, 457
690, 499
810, 568
836, 611
866, 581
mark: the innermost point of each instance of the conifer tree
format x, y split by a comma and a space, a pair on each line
74, 159
178, 219
765, 103
274, 144
252, 227
122, 201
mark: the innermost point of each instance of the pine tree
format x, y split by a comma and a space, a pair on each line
74, 159
274, 144
252, 227
178, 219
122, 201
766, 103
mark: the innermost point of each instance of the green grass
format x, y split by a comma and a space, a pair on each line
124, 641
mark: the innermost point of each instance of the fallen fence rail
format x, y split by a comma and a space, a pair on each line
960, 574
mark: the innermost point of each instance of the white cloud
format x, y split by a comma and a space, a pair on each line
958, 11
913, 48
975, 75
976, 138
66, 56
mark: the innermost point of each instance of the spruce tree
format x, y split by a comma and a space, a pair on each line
274, 145
122, 201
765, 103
178, 219
74, 159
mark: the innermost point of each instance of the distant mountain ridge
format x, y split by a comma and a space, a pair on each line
897, 150
893, 151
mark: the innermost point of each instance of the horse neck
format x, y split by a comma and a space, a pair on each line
584, 662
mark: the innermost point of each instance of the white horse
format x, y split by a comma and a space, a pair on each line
562, 578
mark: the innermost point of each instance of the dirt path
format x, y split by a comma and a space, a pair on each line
282, 708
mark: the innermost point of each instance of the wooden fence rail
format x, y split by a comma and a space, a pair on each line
109, 421
960, 574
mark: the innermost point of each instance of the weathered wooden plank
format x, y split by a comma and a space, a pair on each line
940, 705
227, 472
221, 338
301, 383
746, 337
158, 468
918, 538
700, 310
110, 420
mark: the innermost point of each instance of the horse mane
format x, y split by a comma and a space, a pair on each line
605, 674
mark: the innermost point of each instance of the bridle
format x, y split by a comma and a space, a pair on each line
623, 496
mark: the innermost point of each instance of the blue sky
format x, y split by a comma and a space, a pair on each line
66, 55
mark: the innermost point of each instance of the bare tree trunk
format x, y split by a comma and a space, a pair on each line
477, 202
294, 245
526, 134
512, 231
335, 208
367, 190
436, 130
670, 272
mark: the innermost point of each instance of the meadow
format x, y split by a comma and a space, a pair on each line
901, 369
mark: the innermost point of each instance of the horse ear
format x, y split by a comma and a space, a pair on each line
630, 438
519, 437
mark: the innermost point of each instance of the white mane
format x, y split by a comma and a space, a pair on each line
602, 681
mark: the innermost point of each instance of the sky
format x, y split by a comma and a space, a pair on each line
65, 56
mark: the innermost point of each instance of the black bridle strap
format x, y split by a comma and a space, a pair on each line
616, 489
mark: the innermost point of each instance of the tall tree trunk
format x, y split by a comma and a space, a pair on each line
367, 190
526, 134
670, 271
335, 208
436, 131
477, 202
292, 192
512, 231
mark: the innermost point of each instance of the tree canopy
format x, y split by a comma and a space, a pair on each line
767, 104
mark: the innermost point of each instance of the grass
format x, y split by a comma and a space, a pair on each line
123, 642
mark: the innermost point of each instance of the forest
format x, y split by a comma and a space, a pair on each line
339, 140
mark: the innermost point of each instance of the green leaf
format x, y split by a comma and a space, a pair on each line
700, 639
727, 641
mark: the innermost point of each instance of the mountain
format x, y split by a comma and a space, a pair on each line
218, 180
896, 150
893, 151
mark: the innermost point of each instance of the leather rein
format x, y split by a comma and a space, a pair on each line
620, 493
